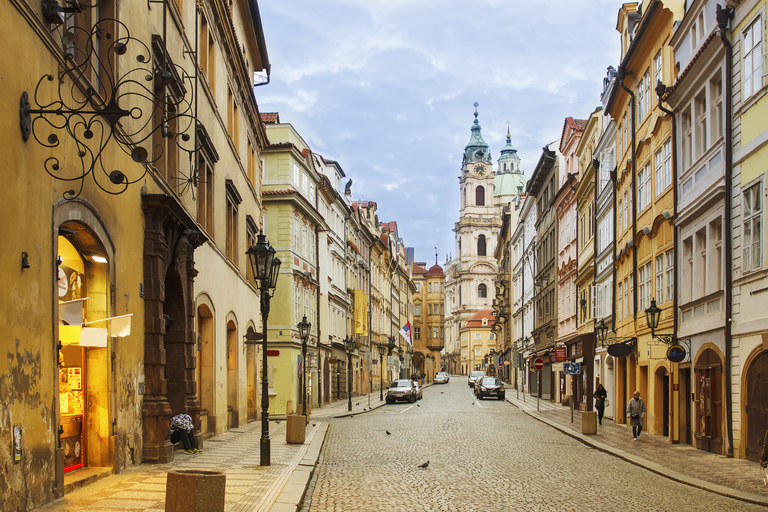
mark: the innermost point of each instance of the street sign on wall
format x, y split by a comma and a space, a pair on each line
572, 368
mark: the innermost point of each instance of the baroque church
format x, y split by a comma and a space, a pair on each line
485, 193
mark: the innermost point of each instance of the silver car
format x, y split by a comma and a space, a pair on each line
474, 376
402, 390
441, 378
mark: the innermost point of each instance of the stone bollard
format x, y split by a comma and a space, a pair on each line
296, 430
195, 491
589, 422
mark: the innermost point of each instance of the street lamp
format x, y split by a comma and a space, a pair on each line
382, 351
266, 269
349, 343
652, 316
602, 332
304, 328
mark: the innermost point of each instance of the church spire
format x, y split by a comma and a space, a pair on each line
477, 149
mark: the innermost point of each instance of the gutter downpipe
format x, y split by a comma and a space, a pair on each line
622, 75
724, 15
661, 89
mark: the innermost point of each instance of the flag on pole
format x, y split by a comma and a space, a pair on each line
71, 312
405, 332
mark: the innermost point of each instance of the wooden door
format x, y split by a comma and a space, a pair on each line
757, 405
709, 404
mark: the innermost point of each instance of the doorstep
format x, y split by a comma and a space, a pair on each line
76, 479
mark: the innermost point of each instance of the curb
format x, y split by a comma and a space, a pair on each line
292, 495
652, 466
346, 414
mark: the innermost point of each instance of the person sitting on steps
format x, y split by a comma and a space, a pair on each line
183, 430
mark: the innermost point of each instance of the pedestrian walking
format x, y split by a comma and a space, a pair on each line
182, 430
423, 378
601, 396
635, 413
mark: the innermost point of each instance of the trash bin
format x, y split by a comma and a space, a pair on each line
296, 430
195, 491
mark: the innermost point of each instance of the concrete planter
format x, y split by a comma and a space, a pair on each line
296, 431
589, 422
195, 491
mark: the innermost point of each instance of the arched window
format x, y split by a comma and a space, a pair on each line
482, 291
480, 196
481, 245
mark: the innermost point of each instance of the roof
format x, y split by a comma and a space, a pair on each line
684, 74
477, 319
435, 270
270, 117
509, 183
419, 268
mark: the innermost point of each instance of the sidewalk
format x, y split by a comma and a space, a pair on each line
737, 478
249, 487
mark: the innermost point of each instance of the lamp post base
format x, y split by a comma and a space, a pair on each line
264, 452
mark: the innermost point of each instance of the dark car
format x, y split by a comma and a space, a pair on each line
402, 390
489, 387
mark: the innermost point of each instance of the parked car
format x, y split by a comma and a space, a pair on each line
473, 376
489, 387
402, 390
441, 378
419, 390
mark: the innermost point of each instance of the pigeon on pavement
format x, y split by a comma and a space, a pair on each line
425, 465
388, 432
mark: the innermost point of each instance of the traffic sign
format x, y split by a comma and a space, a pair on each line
538, 363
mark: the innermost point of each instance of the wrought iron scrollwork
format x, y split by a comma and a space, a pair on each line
93, 105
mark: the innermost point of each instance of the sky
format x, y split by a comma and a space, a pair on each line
386, 88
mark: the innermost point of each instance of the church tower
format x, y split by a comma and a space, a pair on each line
470, 278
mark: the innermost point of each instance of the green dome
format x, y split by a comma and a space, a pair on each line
477, 149
509, 184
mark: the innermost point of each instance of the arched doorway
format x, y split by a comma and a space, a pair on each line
252, 378
709, 403
756, 398
206, 341
661, 401
85, 376
175, 343
232, 364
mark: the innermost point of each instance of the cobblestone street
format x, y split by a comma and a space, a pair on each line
483, 455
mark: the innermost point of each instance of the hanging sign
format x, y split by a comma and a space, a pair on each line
676, 354
572, 368
620, 349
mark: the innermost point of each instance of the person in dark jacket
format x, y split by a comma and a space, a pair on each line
636, 414
600, 395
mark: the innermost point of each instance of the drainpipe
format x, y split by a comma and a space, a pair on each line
622, 75
724, 15
661, 89
596, 167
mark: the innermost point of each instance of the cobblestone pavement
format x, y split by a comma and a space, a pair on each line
695, 466
250, 487
486, 455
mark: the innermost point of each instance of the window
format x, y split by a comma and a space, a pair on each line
644, 286
658, 168
477, 349
669, 258
482, 291
626, 211
752, 63
658, 73
435, 333
250, 239
481, 245
418, 287
687, 141
644, 95
417, 310
644, 187
233, 200
701, 133
417, 333
205, 192
480, 196
716, 106
667, 163
296, 176
620, 297
753, 213
620, 210
659, 278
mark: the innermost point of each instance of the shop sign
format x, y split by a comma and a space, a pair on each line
560, 355
557, 367
676, 354
619, 349
273, 353
572, 368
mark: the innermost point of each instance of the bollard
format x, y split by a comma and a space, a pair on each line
589, 422
195, 491
296, 430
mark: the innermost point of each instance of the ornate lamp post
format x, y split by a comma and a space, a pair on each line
652, 316
602, 332
349, 343
304, 327
382, 351
266, 269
